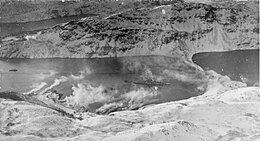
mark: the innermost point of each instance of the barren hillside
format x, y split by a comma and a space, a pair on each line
179, 29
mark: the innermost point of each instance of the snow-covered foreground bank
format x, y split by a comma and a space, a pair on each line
216, 115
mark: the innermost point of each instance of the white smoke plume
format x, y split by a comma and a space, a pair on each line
85, 94
43, 76
130, 100
148, 75
154, 68
140, 96
83, 73
36, 87
56, 83
77, 77
86, 71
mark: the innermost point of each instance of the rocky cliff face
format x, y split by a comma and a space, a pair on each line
179, 29
16, 11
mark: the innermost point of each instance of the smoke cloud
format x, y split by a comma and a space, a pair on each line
85, 94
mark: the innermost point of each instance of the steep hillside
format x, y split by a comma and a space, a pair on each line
26, 11
179, 29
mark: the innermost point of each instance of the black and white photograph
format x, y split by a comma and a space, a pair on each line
129, 70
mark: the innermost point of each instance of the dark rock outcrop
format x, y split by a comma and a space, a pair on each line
179, 29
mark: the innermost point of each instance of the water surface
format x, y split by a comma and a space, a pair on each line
14, 28
239, 65
96, 82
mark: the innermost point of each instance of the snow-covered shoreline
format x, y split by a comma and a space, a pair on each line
221, 114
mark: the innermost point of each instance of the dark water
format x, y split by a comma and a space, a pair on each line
96, 81
13, 28
239, 65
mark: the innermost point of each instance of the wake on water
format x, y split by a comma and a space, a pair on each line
186, 81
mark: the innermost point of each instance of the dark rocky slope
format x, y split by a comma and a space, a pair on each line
179, 29
25, 11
